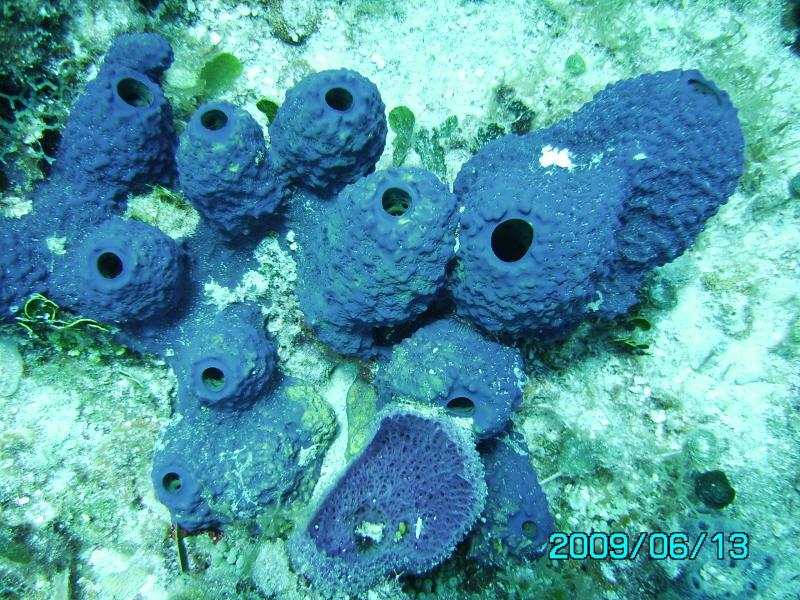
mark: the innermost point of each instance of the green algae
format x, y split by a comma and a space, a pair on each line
219, 74
361, 410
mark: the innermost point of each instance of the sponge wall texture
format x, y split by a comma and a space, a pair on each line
119, 135
228, 361
213, 467
535, 241
22, 272
685, 150
148, 53
401, 506
516, 523
123, 271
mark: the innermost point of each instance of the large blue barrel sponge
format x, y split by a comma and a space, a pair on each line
225, 169
401, 506
330, 130
535, 239
451, 365
125, 271
561, 224
378, 259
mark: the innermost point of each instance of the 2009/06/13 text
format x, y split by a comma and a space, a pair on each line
657, 545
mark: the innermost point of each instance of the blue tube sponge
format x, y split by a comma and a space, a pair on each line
123, 271
225, 170
178, 488
401, 506
562, 223
451, 365
330, 130
516, 522
534, 242
228, 361
213, 467
378, 259
120, 136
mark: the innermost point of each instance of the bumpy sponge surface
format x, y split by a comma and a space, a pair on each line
228, 362
400, 507
561, 223
378, 259
148, 53
123, 271
119, 135
213, 467
516, 522
22, 271
225, 169
329, 131
534, 241
451, 365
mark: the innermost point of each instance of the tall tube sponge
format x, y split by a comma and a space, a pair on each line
330, 131
119, 140
379, 259
119, 137
226, 171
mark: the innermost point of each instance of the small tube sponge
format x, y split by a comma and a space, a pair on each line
22, 271
378, 259
561, 224
330, 130
179, 489
120, 137
225, 170
516, 521
451, 365
213, 467
401, 506
228, 362
124, 271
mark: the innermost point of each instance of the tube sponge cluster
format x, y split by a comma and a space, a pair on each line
542, 231
214, 467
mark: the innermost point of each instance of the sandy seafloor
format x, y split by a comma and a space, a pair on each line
618, 437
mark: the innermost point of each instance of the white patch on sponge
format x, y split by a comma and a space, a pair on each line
555, 157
